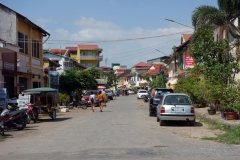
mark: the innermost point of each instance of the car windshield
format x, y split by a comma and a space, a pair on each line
88, 93
142, 92
159, 93
108, 91
177, 100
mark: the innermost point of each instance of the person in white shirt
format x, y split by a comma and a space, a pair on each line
92, 100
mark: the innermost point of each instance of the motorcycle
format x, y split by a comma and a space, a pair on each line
2, 128
13, 119
145, 98
76, 104
32, 113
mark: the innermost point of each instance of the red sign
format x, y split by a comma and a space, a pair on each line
189, 62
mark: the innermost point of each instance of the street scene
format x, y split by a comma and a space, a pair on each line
122, 131
115, 79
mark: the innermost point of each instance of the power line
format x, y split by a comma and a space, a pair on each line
142, 48
101, 41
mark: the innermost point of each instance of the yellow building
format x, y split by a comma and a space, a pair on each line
21, 69
86, 55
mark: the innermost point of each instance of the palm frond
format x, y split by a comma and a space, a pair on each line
229, 8
205, 15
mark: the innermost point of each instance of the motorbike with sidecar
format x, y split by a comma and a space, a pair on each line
43, 101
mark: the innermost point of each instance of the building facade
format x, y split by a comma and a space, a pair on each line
86, 55
22, 67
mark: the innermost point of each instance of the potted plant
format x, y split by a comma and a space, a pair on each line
230, 100
63, 98
212, 110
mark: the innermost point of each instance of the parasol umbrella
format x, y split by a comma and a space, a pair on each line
101, 87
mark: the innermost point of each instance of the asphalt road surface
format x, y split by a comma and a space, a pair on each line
122, 131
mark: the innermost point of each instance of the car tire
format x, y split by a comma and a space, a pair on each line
150, 114
54, 115
192, 123
161, 122
157, 119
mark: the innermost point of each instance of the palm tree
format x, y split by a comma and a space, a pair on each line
223, 17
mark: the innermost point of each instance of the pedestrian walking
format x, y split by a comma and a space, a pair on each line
92, 100
115, 94
100, 100
105, 98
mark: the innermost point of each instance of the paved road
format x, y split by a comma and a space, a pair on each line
122, 131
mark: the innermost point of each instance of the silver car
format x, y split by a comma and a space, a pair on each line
175, 107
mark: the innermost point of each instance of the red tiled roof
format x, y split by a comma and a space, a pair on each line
187, 36
105, 67
58, 50
119, 73
142, 64
72, 48
156, 70
88, 46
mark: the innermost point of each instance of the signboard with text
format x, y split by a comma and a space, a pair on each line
189, 62
53, 79
23, 100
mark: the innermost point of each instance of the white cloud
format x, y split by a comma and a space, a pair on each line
62, 32
42, 22
124, 52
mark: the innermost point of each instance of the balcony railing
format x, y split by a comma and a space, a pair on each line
131, 82
99, 58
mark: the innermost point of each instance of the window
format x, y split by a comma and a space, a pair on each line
89, 53
23, 42
36, 84
82, 53
89, 65
35, 48
74, 52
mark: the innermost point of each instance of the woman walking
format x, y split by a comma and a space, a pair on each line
92, 100
100, 100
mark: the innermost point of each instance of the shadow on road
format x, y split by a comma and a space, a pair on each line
181, 124
55, 120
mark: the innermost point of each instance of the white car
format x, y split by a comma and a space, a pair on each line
141, 92
175, 107
130, 92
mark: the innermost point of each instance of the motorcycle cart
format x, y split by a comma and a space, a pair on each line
45, 99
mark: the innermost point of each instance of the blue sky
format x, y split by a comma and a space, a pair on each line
101, 21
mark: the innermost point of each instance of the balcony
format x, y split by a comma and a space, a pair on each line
132, 82
98, 58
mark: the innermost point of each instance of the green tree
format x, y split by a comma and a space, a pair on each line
223, 16
146, 77
159, 81
73, 80
217, 67
111, 79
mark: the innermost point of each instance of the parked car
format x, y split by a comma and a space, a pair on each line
175, 107
141, 92
109, 94
153, 101
86, 95
130, 92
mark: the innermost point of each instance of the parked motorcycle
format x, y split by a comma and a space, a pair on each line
13, 119
2, 128
76, 104
145, 98
32, 113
